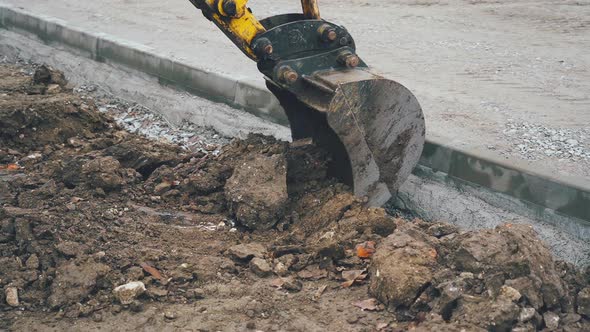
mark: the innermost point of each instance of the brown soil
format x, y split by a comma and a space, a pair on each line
257, 238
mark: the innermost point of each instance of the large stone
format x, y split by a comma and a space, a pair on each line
257, 190
515, 251
103, 172
402, 267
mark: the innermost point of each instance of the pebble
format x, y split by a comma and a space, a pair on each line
280, 269
510, 293
526, 314
127, 293
32, 262
260, 267
292, 285
169, 314
97, 317
12, 296
551, 320
196, 293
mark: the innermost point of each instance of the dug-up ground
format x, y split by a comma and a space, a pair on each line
101, 229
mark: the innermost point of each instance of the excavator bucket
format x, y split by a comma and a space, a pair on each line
373, 128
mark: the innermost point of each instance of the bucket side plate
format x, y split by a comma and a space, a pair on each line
381, 125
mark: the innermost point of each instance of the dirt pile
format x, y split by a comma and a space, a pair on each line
500, 280
116, 232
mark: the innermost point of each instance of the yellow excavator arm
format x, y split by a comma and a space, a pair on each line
372, 127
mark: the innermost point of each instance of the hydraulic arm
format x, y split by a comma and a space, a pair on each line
373, 127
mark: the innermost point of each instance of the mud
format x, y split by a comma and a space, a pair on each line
256, 237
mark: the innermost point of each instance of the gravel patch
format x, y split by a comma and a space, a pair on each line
537, 142
143, 121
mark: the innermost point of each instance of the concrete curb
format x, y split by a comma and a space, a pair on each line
540, 190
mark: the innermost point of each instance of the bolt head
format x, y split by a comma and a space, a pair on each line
268, 49
290, 76
331, 35
352, 61
229, 7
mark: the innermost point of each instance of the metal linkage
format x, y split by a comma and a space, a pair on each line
301, 48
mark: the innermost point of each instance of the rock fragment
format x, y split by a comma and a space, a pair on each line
12, 296
260, 267
292, 285
128, 292
169, 314
510, 293
551, 320
32, 262
246, 251
526, 314
280, 269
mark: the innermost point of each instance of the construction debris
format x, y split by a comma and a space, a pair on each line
100, 216
127, 293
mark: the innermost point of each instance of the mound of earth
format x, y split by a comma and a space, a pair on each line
101, 229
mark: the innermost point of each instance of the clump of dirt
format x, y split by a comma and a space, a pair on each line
112, 231
257, 190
